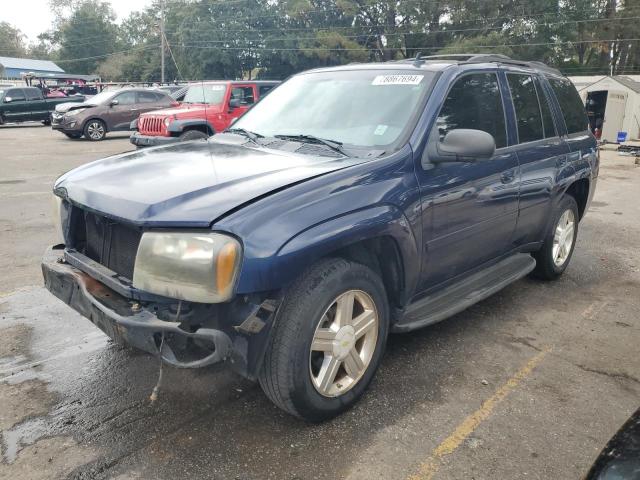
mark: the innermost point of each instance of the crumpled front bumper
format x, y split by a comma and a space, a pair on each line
127, 321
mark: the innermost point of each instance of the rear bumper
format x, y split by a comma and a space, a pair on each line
151, 141
197, 340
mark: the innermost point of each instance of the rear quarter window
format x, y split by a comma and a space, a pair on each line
573, 111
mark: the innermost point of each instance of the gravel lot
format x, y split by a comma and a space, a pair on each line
530, 383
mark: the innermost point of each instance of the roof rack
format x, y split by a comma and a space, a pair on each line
480, 58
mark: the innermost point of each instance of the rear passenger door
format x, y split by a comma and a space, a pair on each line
541, 154
469, 208
149, 101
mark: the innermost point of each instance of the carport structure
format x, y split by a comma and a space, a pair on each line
613, 105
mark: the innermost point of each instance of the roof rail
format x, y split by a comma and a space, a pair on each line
481, 58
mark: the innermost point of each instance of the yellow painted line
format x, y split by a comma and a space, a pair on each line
429, 468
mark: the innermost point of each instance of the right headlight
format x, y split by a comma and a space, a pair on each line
197, 267
57, 217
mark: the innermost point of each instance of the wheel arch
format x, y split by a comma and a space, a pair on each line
364, 236
579, 190
178, 127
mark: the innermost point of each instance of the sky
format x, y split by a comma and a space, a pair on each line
33, 17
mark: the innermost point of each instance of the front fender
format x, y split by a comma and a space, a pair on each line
322, 239
178, 126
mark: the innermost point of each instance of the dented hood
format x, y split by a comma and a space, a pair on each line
187, 184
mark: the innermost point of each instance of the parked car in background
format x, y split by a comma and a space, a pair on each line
291, 244
109, 111
207, 108
27, 104
170, 88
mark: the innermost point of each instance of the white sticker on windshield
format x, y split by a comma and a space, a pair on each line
217, 87
380, 129
397, 80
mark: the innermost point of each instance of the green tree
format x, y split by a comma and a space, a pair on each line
12, 41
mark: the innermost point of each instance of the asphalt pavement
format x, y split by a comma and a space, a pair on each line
530, 383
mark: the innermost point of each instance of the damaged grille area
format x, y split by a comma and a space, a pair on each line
112, 244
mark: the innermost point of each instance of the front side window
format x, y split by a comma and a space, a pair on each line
358, 108
148, 97
126, 98
573, 110
474, 102
16, 95
212, 94
525, 101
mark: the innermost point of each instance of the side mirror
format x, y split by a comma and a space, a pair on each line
8, 99
114, 103
234, 103
463, 145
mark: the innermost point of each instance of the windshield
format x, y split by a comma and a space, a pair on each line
213, 94
102, 97
366, 108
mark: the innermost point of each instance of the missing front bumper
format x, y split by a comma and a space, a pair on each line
229, 331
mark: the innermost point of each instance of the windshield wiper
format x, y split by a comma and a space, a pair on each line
332, 144
253, 136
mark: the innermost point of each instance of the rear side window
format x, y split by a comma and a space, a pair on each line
575, 117
547, 117
264, 89
525, 101
474, 102
33, 94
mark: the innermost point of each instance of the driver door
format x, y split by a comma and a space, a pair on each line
469, 208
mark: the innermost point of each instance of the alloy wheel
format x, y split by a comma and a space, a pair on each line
343, 343
563, 238
95, 130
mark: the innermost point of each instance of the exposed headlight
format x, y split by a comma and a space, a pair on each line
197, 267
167, 121
76, 111
57, 218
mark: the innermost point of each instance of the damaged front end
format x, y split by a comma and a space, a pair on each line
185, 334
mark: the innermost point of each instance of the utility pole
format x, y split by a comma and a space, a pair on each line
162, 42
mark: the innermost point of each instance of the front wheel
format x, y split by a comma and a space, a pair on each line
553, 258
193, 135
328, 340
95, 130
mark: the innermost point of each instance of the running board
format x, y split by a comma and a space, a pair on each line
463, 294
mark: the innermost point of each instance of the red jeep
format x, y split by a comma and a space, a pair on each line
207, 108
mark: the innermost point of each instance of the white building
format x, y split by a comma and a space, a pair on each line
613, 104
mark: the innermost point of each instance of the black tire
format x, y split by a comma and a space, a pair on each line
193, 135
546, 268
46, 123
95, 130
285, 376
73, 135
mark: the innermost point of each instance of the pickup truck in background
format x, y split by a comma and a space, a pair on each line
207, 108
27, 104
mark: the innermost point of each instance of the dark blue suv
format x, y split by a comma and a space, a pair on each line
351, 202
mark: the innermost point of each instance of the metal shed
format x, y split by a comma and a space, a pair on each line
613, 105
16, 68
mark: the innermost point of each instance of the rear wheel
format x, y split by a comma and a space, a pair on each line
328, 340
193, 135
95, 130
554, 256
